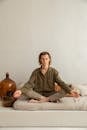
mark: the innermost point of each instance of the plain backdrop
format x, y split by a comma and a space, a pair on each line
28, 27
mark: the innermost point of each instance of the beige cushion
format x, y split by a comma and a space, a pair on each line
67, 103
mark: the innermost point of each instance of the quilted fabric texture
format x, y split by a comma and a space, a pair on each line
67, 103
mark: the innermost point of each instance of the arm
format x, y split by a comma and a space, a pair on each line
27, 86
65, 86
60, 82
30, 84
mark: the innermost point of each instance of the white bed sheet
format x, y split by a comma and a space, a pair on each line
32, 117
48, 118
10, 117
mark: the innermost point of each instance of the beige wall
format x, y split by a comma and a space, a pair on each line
30, 26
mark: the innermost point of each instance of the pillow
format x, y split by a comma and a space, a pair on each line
67, 103
82, 88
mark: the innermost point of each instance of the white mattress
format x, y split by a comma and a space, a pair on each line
44, 118
59, 118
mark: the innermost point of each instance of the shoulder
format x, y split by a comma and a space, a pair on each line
53, 69
35, 70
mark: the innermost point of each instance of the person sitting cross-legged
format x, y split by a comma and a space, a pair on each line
41, 85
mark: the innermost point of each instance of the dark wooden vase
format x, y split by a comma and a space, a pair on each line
7, 88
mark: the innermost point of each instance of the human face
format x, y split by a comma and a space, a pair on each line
45, 60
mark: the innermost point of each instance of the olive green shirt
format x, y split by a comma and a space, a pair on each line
45, 83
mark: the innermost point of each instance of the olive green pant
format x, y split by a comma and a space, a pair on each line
53, 96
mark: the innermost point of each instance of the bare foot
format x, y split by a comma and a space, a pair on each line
33, 101
44, 99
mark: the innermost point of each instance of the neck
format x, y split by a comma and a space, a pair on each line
44, 69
